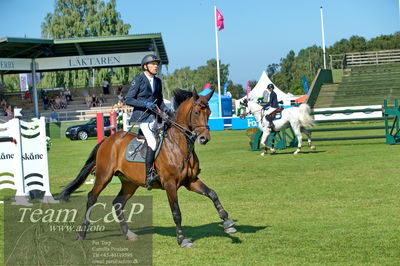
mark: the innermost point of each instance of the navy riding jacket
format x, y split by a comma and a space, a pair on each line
273, 100
140, 92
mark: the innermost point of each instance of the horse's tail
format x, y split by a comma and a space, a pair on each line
83, 174
305, 118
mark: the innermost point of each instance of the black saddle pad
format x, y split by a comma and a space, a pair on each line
136, 151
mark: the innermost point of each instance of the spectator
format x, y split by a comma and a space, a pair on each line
57, 102
45, 102
121, 97
119, 89
94, 100
9, 112
3, 104
27, 96
68, 94
64, 102
101, 100
106, 87
54, 117
88, 101
52, 103
42, 93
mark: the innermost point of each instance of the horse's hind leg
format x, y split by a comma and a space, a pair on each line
99, 185
126, 192
297, 133
199, 187
308, 134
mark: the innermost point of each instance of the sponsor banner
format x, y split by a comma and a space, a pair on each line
15, 64
87, 61
23, 81
238, 123
73, 62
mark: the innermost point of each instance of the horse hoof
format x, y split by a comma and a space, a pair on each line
79, 237
313, 148
273, 150
262, 154
132, 236
186, 243
230, 230
228, 223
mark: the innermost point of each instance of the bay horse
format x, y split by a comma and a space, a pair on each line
177, 165
298, 118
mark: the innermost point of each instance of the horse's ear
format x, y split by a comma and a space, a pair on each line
209, 95
195, 95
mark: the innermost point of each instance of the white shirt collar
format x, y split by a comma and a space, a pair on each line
151, 80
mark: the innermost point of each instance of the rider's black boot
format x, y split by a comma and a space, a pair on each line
151, 175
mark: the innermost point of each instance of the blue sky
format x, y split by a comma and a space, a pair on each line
257, 32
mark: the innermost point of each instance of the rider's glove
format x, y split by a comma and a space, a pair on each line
151, 106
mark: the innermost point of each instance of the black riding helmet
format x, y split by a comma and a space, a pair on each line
150, 58
270, 86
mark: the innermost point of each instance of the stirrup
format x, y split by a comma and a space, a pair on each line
140, 138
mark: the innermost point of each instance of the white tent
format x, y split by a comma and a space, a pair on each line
261, 87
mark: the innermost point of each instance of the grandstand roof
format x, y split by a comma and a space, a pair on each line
42, 48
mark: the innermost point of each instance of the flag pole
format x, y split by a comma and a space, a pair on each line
323, 36
218, 76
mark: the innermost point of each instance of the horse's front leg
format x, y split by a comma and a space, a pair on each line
199, 187
263, 142
172, 195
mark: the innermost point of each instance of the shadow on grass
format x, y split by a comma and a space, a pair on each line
208, 230
192, 232
291, 153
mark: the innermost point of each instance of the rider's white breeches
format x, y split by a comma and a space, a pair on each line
270, 110
149, 131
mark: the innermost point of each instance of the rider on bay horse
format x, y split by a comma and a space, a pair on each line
273, 105
145, 95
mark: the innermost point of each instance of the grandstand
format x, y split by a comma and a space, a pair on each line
364, 83
76, 109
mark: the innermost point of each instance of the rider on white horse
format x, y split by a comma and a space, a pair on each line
272, 103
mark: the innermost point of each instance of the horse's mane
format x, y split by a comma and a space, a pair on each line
180, 96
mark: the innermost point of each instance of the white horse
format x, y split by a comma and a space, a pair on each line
297, 117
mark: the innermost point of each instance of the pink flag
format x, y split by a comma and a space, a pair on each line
220, 20
248, 90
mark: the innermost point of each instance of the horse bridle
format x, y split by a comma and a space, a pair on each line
190, 133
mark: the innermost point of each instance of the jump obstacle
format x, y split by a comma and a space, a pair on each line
113, 124
392, 130
23, 159
100, 125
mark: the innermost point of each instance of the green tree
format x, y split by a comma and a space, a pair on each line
85, 18
185, 78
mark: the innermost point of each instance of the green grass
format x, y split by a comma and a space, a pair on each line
336, 205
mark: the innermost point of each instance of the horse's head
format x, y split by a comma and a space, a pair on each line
198, 116
193, 112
